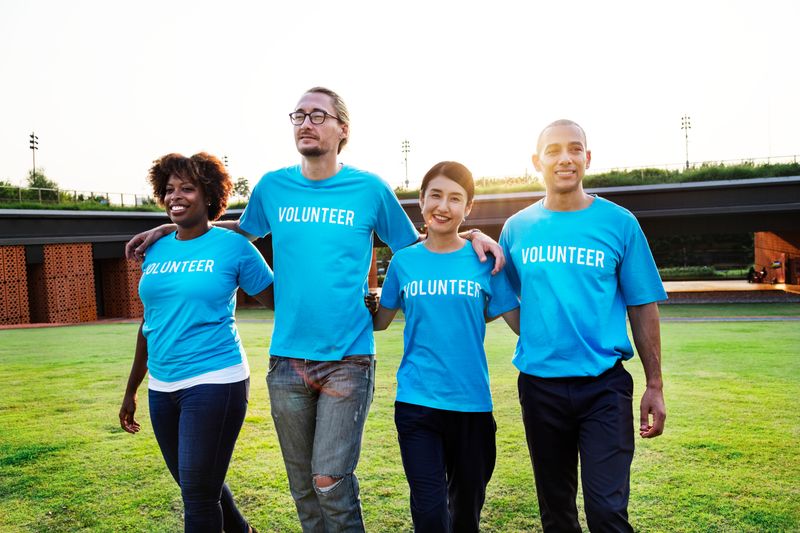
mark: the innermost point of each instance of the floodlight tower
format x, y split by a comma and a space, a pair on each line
686, 125
406, 148
34, 146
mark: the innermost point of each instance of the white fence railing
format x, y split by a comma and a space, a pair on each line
16, 194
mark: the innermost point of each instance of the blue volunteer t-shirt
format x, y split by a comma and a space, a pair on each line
188, 289
576, 272
322, 252
444, 297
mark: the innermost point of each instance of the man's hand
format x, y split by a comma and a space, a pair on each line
652, 404
647, 338
139, 243
483, 244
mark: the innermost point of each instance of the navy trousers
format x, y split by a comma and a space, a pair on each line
196, 429
448, 457
588, 417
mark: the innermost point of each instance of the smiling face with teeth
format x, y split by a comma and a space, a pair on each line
444, 205
193, 190
562, 158
186, 203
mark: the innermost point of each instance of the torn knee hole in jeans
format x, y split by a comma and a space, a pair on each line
323, 484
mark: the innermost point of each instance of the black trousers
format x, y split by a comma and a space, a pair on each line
448, 457
588, 417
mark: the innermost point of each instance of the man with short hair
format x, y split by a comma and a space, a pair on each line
578, 263
322, 215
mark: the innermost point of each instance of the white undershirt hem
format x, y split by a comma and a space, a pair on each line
231, 374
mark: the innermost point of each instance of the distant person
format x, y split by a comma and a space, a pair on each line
443, 410
322, 216
199, 377
578, 262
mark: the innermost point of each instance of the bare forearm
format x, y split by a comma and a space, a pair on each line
646, 330
383, 318
512, 319
266, 297
139, 367
233, 225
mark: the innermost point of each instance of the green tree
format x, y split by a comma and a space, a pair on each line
8, 191
242, 187
38, 180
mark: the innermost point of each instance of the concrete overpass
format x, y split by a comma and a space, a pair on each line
762, 204
733, 206
68, 266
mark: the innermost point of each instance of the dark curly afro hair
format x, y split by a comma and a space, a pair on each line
202, 169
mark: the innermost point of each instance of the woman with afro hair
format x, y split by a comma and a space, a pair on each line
199, 377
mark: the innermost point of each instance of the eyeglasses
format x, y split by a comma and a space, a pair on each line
316, 117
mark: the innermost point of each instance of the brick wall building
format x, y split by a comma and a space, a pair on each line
779, 253
13, 286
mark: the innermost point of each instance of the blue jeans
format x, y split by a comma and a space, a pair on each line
449, 458
319, 409
196, 429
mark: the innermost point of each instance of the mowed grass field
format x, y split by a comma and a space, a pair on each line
728, 461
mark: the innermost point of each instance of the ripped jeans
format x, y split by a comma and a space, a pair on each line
319, 409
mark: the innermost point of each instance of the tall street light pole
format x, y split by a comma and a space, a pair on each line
34, 146
406, 148
686, 125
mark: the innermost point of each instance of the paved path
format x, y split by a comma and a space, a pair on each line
731, 319
663, 319
726, 285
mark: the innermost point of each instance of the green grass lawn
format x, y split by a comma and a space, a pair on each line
729, 310
669, 310
728, 461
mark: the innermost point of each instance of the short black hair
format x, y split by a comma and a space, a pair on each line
451, 170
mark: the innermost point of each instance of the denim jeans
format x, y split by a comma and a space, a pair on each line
196, 429
590, 417
319, 409
448, 457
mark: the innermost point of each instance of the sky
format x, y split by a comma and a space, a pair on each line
109, 86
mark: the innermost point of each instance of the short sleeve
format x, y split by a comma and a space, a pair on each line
254, 219
254, 273
503, 297
393, 225
510, 270
390, 293
638, 275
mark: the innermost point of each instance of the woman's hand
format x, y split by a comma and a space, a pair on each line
372, 301
126, 413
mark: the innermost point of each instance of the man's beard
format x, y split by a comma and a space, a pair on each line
311, 152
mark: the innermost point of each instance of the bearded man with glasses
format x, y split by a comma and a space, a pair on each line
322, 216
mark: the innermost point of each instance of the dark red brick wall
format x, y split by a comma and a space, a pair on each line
783, 247
62, 288
121, 288
13, 286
